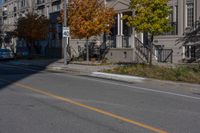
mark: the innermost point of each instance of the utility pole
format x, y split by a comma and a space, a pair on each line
66, 32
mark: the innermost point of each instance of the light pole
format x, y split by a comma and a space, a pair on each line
65, 41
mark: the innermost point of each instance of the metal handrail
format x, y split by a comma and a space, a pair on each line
143, 49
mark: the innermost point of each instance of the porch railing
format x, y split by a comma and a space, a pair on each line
111, 40
125, 42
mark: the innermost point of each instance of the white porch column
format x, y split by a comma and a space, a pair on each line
190, 53
132, 38
47, 11
195, 11
118, 24
174, 12
121, 24
133, 35
119, 30
198, 11
186, 24
142, 37
181, 16
183, 52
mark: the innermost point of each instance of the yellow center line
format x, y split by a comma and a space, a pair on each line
67, 100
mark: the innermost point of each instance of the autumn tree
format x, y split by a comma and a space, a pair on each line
150, 16
32, 27
88, 18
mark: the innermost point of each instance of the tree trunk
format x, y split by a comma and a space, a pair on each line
87, 50
151, 50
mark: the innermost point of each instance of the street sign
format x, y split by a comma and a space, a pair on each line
66, 32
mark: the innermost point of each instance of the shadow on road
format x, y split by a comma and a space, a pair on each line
15, 70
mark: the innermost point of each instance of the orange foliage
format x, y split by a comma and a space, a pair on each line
32, 27
88, 18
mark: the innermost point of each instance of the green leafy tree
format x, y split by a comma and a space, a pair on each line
33, 27
150, 16
88, 18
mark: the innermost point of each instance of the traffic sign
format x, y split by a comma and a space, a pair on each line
66, 32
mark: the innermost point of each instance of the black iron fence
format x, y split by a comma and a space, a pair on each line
95, 50
125, 42
161, 54
165, 55
112, 41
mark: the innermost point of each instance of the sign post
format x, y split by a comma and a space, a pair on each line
66, 35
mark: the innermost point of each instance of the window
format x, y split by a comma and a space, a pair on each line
22, 3
15, 9
190, 51
190, 13
173, 21
40, 1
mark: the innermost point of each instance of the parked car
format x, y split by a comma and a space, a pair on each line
6, 54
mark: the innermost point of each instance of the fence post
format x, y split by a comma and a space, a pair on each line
172, 56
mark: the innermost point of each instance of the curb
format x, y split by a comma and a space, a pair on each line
132, 79
60, 69
118, 77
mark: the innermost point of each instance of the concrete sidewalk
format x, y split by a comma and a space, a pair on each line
82, 68
58, 65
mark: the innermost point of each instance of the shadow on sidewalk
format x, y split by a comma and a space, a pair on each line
16, 70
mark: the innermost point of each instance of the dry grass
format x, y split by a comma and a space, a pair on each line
182, 73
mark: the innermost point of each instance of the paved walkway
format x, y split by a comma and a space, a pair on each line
59, 65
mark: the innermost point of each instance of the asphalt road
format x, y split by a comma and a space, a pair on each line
32, 101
